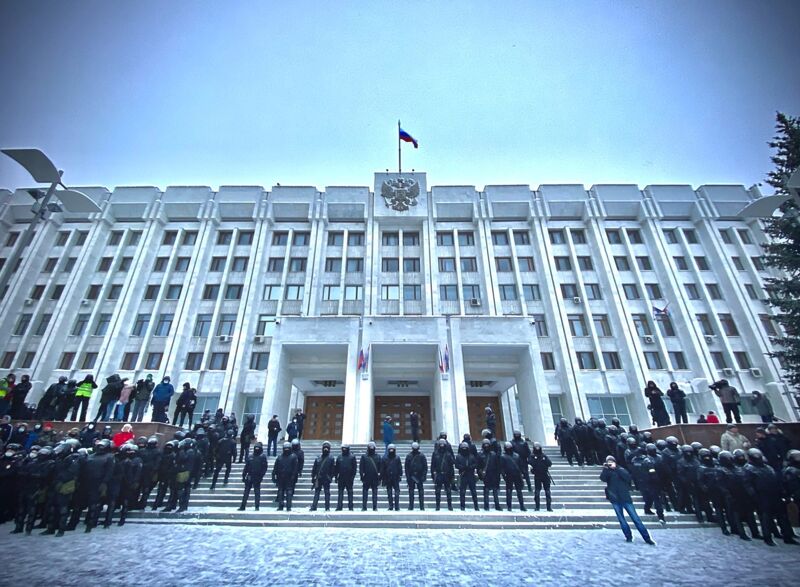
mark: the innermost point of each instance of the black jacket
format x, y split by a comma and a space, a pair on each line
391, 470
369, 469
255, 468
284, 472
618, 484
416, 468
345, 469
489, 468
323, 471
511, 467
442, 463
540, 464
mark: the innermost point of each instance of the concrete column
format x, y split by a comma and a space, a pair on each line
458, 383
352, 408
535, 406
277, 390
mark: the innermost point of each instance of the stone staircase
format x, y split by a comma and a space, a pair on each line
578, 502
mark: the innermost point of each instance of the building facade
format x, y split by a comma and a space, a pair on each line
355, 303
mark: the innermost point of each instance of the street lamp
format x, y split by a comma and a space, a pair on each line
43, 171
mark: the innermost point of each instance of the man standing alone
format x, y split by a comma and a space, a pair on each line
618, 492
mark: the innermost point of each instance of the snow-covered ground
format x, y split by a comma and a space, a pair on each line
173, 554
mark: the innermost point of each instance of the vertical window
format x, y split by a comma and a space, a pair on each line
392, 265
680, 263
390, 292
725, 234
140, 325
189, 237
44, 322
234, 291
194, 361
134, 237
412, 292
82, 236
705, 324
169, 237
62, 238
508, 293
631, 291
103, 323
557, 237
702, 263
593, 291
330, 293
114, 291
471, 291
469, 264
691, 236
634, 236
653, 360
164, 324
282, 238
563, 263
578, 236
125, 264
173, 292
355, 265
294, 292
611, 360
129, 361
444, 239
50, 265
202, 325
390, 239
613, 237
217, 264
218, 361
769, 327
569, 291
245, 238
105, 264
653, 291
744, 234
719, 360
259, 361
265, 325
530, 292
540, 323
153, 360
664, 324
448, 292
691, 291
622, 263
742, 360
548, 362
336, 239
601, 324
275, 265
411, 239
669, 235
353, 292
355, 239
466, 239
713, 291
65, 363
227, 324
678, 361
737, 262
500, 238
239, 264
585, 263
577, 325
81, 322
728, 325
751, 291
333, 265
151, 292
641, 324
22, 324
503, 264
644, 263
447, 264
225, 237
522, 237
411, 265
272, 292
301, 239
586, 360
182, 264
27, 360
159, 266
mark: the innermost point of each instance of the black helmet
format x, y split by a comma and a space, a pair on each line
486, 433
467, 437
179, 435
45, 452
152, 442
370, 446
107, 429
793, 457
672, 441
631, 441
562, 421
391, 448
345, 449
229, 433
705, 455
415, 446
442, 434
287, 446
258, 448
296, 444
518, 434
725, 458
485, 443
327, 445
141, 441
507, 446
633, 429
687, 450
614, 421
578, 421
651, 449
696, 446
441, 443
62, 379
755, 456
463, 447
103, 446
647, 436
715, 450
537, 447
739, 457
661, 444
185, 444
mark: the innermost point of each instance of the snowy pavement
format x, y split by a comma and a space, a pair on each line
167, 555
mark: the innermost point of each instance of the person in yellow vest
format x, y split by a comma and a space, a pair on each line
82, 396
6, 387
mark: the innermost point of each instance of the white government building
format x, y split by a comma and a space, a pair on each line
542, 302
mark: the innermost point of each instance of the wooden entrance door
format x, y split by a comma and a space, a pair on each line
399, 408
476, 407
324, 415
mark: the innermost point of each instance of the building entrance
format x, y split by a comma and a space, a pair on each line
324, 415
476, 407
399, 409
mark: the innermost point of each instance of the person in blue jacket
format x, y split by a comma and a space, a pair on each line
388, 435
162, 394
618, 492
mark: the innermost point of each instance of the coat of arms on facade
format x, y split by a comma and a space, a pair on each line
400, 193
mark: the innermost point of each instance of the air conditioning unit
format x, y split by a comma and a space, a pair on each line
710, 338
755, 372
224, 338
728, 372
649, 340
474, 302
29, 302
259, 339
85, 302
576, 300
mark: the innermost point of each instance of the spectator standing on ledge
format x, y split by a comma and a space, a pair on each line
702, 419
618, 492
678, 398
729, 396
144, 387
162, 394
658, 410
82, 396
763, 407
712, 418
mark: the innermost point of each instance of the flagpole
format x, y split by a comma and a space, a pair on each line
399, 152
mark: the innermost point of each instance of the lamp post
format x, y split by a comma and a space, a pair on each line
42, 170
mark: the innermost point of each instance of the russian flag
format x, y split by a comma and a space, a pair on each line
404, 136
360, 363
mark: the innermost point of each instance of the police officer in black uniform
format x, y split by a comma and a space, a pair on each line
467, 464
369, 469
345, 473
284, 475
321, 476
253, 474
391, 474
416, 470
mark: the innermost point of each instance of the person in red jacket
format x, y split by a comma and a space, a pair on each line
123, 436
712, 418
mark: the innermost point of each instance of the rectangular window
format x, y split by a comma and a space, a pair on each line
577, 325
173, 291
217, 264
719, 360
769, 326
330, 293
680, 263
578, 236
93, 292
702, 263
275, 265
336, 239
37, 292
355, 239
737, 262
691, 236
548, 362
531, 292
691, 291
202, 325
390, 239
448, 292
634, 236
444, 239
611, 360
297, 264
159, 266
522, 237
586, 360
12, 239
644, 263
447, 264
189, 238
726, 236
65, 363
82, 236
27, 360
333, 265
282, 238
557, 237
653, 360
613, 236
508, 292
585, 263
390, 292
526, 264
412, 292
540, 323
140, 324
728, 325
751, 291
503, 264
593, 291
50, 265
601, 324
259, 361
105, 265
353, 292
713, 291
272, 292
245, 238
622, 263
664, 324
81, 322
653, 291
670, 236
62, 239
151, 292
164, 324
58, 289
411, 239
22, 324
44, 322
182, 264
169, 237
239, 264
70, 264
124, 264
466, 239
226, 325
758, 263
631, 291
153, 360
744, 234
742, 360
705, 324
224, 237
641, 324
355, 265
265, 325
569, 291
193, 361
134, 237
411, 265
469, 264
294, 292
218, 362
678, 361
392, 264
211, 291
500, 238
301, 239
103, 322
471, 291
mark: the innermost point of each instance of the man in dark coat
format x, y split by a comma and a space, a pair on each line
46, 408
253, 474
247, 436
273, 428
21, 390
491, 421
413, 418
144, 387
284, 475
151, 461
489, 473
345, 473
300, 420
523, 451
166, 474
321, 476
99, 470
678, 398
618, 492
131, 480
467, 465
391, 474
511, 468
442, 463
226, 454
369, 469
764, 486
540, 465
109, 396
416, 470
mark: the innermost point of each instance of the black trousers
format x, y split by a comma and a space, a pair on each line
412, 485
464, 482
680, 414
345, 486
393, 491
218, 468
732, 410
244, 451
442, 481
652, 497
539, 485
770, 510
285, 494
365, 487
495, 491
511, 486
82, 404
256, 487
320, 487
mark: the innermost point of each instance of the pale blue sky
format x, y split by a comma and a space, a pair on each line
309, 93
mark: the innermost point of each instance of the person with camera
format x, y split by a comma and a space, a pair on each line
729, 397
618, 492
